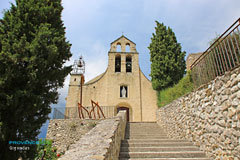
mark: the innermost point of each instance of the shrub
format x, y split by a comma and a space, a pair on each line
45, 149
73, 126
92, 125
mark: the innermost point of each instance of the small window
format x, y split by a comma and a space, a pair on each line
75, 79
128, 64
119, 47
118, 64
123, 91
127, 47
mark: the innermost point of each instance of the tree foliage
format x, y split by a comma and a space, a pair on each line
33, 50
168, 64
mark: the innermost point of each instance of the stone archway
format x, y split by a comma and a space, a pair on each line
125, 106
124, 109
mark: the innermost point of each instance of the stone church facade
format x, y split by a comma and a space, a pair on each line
122, 85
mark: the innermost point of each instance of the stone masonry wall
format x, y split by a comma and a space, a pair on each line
209, 117
64, 132
102, 142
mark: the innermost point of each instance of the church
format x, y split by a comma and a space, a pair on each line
122, 86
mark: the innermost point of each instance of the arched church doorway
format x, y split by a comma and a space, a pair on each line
124, 109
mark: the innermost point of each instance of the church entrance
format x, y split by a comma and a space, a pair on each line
124, 108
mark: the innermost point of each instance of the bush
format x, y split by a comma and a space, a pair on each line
45, 149
184, 86
92, 125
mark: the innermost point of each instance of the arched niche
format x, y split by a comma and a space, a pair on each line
124, 106
119, 47
128, 48
118, 63
128, 63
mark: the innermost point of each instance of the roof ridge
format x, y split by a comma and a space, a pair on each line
123, 37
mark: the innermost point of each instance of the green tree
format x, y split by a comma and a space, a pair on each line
33, 50
168, 64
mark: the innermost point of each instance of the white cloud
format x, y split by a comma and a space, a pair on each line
194, 22
96, 62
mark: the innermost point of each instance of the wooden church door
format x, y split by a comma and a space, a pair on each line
124, 108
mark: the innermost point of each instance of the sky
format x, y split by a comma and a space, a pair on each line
91, 25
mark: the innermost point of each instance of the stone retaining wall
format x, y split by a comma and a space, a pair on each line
64, 132
209, 117
102, 142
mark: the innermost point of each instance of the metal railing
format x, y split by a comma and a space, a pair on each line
72, 112
222, 56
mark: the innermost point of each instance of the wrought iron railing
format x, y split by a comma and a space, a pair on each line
72, 112
222, 56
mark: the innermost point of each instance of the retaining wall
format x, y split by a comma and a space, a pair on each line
102, 142
64, 132
209, 117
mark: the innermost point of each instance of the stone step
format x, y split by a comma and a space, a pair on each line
147, 127
144, 126
145, 131
146, 134
179, 154
159, 149
152, 137
151, 140
164, 159
141, 126
151, 144
155, 128
148, 141
142, 123
150, 133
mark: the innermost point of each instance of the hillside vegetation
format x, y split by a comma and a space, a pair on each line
184, 86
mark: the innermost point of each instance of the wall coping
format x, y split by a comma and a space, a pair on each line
100, 143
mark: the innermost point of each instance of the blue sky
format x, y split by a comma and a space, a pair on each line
91, 25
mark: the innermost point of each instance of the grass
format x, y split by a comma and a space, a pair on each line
184, 86
92, 125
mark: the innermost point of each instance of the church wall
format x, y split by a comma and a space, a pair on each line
73, 91
107, 93
115, 80
149, 100
96, 92
107, 88
133, 98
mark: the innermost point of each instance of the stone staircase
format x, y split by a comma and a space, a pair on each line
147, 141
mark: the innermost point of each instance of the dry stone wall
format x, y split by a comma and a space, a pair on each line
102, 142
209, 117
64, 132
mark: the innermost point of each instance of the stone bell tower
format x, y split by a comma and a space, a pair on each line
123, 56
123, 75
74, 90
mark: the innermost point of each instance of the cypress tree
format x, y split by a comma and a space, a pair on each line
33, 50
167, 59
